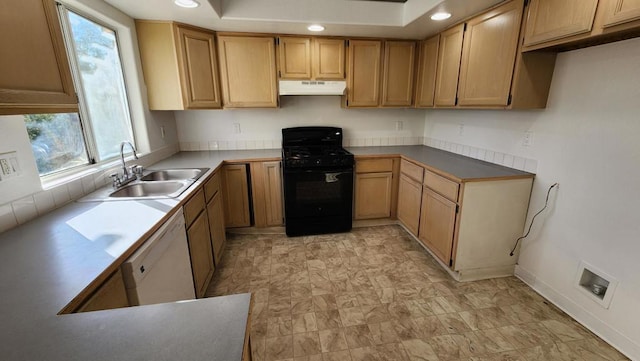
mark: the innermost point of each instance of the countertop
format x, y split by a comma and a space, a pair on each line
46, 263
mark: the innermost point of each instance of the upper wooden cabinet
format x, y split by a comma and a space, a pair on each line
488, 56
449, 54
621, 11
179, 65
310, 58
295, 58
363, 79
328, 59
248, 71
571, 24
553, 19
35, 76
427, 65
397, 75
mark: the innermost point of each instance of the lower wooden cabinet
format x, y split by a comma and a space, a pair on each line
111, 294
199, 240
215, 211
376, 188
437, 224
266, 188
236, 195
409, 200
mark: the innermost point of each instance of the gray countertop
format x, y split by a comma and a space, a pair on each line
47, 262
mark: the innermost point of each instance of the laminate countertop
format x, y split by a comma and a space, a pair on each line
46, 263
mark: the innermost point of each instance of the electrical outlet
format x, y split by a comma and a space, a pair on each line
9, 166
236, 128
461, 129
527, 139
399, 125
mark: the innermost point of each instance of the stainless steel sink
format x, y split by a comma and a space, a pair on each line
173, 174
152, 189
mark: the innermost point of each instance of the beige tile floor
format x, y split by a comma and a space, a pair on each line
375, 294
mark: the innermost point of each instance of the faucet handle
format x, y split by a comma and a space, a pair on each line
137, 170
115, 180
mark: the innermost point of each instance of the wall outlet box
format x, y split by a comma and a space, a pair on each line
9, 166
527, 139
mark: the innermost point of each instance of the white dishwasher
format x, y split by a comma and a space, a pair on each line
160, 270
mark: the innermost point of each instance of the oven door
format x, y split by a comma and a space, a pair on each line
313, 193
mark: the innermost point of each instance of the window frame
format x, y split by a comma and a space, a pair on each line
88, 133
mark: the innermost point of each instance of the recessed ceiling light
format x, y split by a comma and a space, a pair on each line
187, 3
440, 16
315, 27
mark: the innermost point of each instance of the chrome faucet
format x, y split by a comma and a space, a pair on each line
126, 177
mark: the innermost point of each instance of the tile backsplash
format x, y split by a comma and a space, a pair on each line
27, 208
277, 143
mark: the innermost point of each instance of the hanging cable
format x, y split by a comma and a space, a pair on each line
546, 202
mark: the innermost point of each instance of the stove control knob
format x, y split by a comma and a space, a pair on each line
318, 161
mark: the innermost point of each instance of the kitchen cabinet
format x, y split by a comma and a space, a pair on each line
248, 71
488, 56
427, 65
266, 188
307, 58
449, 55
215, 213
410, 195
397, 74
621, 11
363, 73
437, 224
180, 66
550, 19
35, 76
328, 59
375, 188
111, 294
295, 58
237, 212
562, 25
199, 240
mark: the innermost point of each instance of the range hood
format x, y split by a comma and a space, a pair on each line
312, 87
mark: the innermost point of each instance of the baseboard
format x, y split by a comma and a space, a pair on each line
612, 336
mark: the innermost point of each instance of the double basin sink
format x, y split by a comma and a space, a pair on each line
166, 183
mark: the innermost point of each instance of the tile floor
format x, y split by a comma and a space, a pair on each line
375, 294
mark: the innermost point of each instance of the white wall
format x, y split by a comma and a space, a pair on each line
587, 140
261, 128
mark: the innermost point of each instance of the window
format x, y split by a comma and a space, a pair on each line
64, 141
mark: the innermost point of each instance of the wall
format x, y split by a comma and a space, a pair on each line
587, 140
261, 128
23, 198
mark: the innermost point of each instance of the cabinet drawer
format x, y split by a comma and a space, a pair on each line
212, 186
411, 170
443, 186
193, 207
374, 165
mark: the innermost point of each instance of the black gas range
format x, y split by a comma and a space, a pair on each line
318, 181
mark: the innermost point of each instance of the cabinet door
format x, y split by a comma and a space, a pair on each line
236, 196
449, 54
437, 224
552, 19
197, 60
34, 69
364, 73
266, 187
248, 71
488, 56
201, 253
373, 195
215, 212
622, 11
328, 59
111, 294
409, 198
295, 58
397, 77
427, 65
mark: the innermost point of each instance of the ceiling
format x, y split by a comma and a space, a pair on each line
380, 18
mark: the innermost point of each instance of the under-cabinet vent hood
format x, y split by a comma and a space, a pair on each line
312, 87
